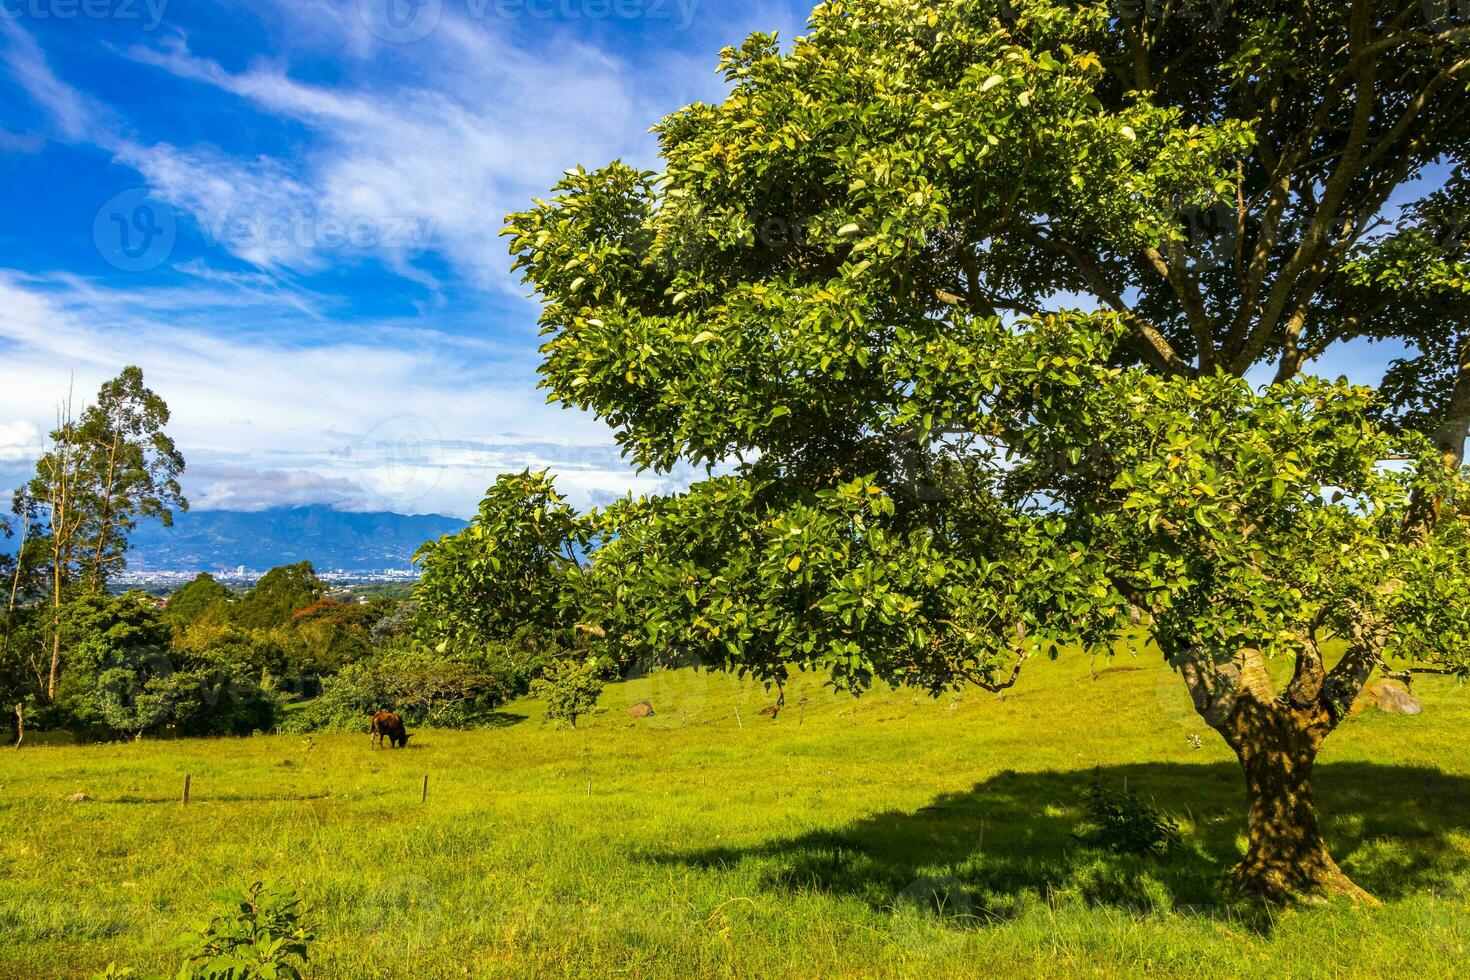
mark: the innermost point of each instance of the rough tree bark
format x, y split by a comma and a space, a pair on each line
1276, 738
1286, 858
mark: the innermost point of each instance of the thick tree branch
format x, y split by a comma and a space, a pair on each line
1147, 339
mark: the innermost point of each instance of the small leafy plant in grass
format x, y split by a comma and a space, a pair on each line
570, 689
257, 935
1125, 823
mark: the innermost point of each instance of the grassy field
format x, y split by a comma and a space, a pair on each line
711, 840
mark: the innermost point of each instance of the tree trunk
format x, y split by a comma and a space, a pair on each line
54, 675
1286, 859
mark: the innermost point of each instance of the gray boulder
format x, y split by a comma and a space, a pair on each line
1391, 698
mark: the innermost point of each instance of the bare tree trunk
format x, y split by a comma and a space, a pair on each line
55, 673
58, 556
63, 529
96, 581
20, 724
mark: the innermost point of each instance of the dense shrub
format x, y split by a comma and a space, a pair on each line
1123, 822
425, 687
249, 653
570, 689
184, 703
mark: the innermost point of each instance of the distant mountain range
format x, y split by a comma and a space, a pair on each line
211, 540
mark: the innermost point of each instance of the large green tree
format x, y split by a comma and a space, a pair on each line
1218, 183
202, 598
856, 278
102, 472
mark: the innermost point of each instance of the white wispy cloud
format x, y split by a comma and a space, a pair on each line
437, 161
284, 391
19, 441
77, 116
425, 428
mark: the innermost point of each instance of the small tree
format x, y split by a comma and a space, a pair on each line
116, 644
425, 687
503, 575
200, 598
279, 594
570, 689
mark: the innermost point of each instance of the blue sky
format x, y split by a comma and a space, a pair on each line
287, 213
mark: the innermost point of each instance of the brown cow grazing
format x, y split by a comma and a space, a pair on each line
387, 724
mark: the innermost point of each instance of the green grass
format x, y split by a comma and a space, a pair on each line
709, 840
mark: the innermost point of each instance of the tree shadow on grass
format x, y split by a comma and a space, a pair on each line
502, 719
987, 853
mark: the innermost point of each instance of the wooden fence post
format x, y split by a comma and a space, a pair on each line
186, 789
424, 796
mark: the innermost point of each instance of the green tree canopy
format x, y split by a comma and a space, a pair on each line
279, 594
200, 598
856, 281
505, 573
1217, 189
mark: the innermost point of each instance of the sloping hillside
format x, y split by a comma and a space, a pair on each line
221, 539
